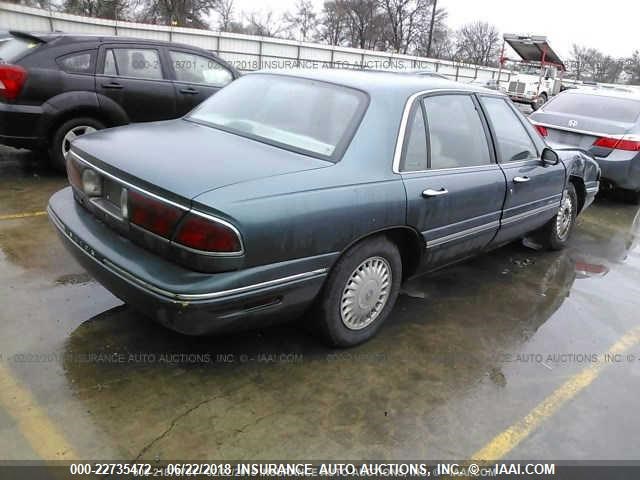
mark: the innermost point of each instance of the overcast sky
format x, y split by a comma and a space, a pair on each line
610, 26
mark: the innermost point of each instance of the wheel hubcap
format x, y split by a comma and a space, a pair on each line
564, 217
366, 293
72, 134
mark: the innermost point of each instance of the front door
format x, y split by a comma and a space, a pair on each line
455, 190
134, 78
534, 189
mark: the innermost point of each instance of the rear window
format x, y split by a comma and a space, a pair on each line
13, 48
298, 114
605, 108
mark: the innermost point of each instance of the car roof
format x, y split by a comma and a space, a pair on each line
378, 82
87, 37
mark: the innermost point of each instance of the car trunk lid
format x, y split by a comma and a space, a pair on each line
582, 132
183, 159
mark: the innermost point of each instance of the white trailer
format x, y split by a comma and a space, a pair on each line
539, 72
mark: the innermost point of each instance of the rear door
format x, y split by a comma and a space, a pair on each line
534, 189
455, 189
136, 78
196, 78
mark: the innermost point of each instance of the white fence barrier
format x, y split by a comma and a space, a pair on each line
245, 52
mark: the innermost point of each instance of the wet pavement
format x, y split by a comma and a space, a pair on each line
468, 352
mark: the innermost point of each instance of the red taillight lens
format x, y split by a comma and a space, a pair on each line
207, 235
618, 143
12, 78
151, 214
542, 130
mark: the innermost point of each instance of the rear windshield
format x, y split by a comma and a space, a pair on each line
601, 107
302, 115
13, 47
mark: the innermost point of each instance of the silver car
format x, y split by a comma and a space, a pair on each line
604, 122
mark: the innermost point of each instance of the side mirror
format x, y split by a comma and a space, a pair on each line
549, 157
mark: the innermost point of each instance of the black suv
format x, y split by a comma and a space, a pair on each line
54, 86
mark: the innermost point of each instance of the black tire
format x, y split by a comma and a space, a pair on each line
56, 156
632, 197
550, 236
328, 316
541, 100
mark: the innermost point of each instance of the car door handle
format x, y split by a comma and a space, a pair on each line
113, 85
189, 91
429, 192
521, 179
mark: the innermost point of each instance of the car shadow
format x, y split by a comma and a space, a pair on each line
154, 392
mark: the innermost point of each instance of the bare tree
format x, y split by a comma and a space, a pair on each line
478, 43
333, 23
632, 68
441, 38
265, 24
226, 11
402, 21
180, 13
365, 22
303, 20
579, 60
111, 9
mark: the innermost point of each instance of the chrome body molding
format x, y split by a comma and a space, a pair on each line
186, 209
489, 226
173, 296
591, 133
529, 213
397, 156
462, 234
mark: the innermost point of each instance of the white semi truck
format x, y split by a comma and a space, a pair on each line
538, 74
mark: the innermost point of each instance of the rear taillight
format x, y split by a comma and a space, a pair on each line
207, 235
12, 78
622, 143
542, 130
151, 214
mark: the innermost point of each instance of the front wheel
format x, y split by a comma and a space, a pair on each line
360, 292
556, 233
65, 134
539, 101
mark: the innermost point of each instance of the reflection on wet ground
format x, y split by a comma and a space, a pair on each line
468, 351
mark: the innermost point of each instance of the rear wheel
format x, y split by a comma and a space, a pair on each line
65, 134
632, 197
360, 292
555, 234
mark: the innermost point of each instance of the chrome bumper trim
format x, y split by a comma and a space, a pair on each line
178, 297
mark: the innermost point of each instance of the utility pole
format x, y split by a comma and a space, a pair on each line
433, 19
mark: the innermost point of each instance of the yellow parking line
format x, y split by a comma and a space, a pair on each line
33, 422
22, 215
506, 441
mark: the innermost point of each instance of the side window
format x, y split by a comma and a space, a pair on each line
133, 62
81, 62
513, 140
197, 69
456, 135
415, 156
110, 64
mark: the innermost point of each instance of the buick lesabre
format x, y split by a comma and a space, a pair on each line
316, 192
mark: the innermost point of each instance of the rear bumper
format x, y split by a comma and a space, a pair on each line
621, 173
189, 302
19, 124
